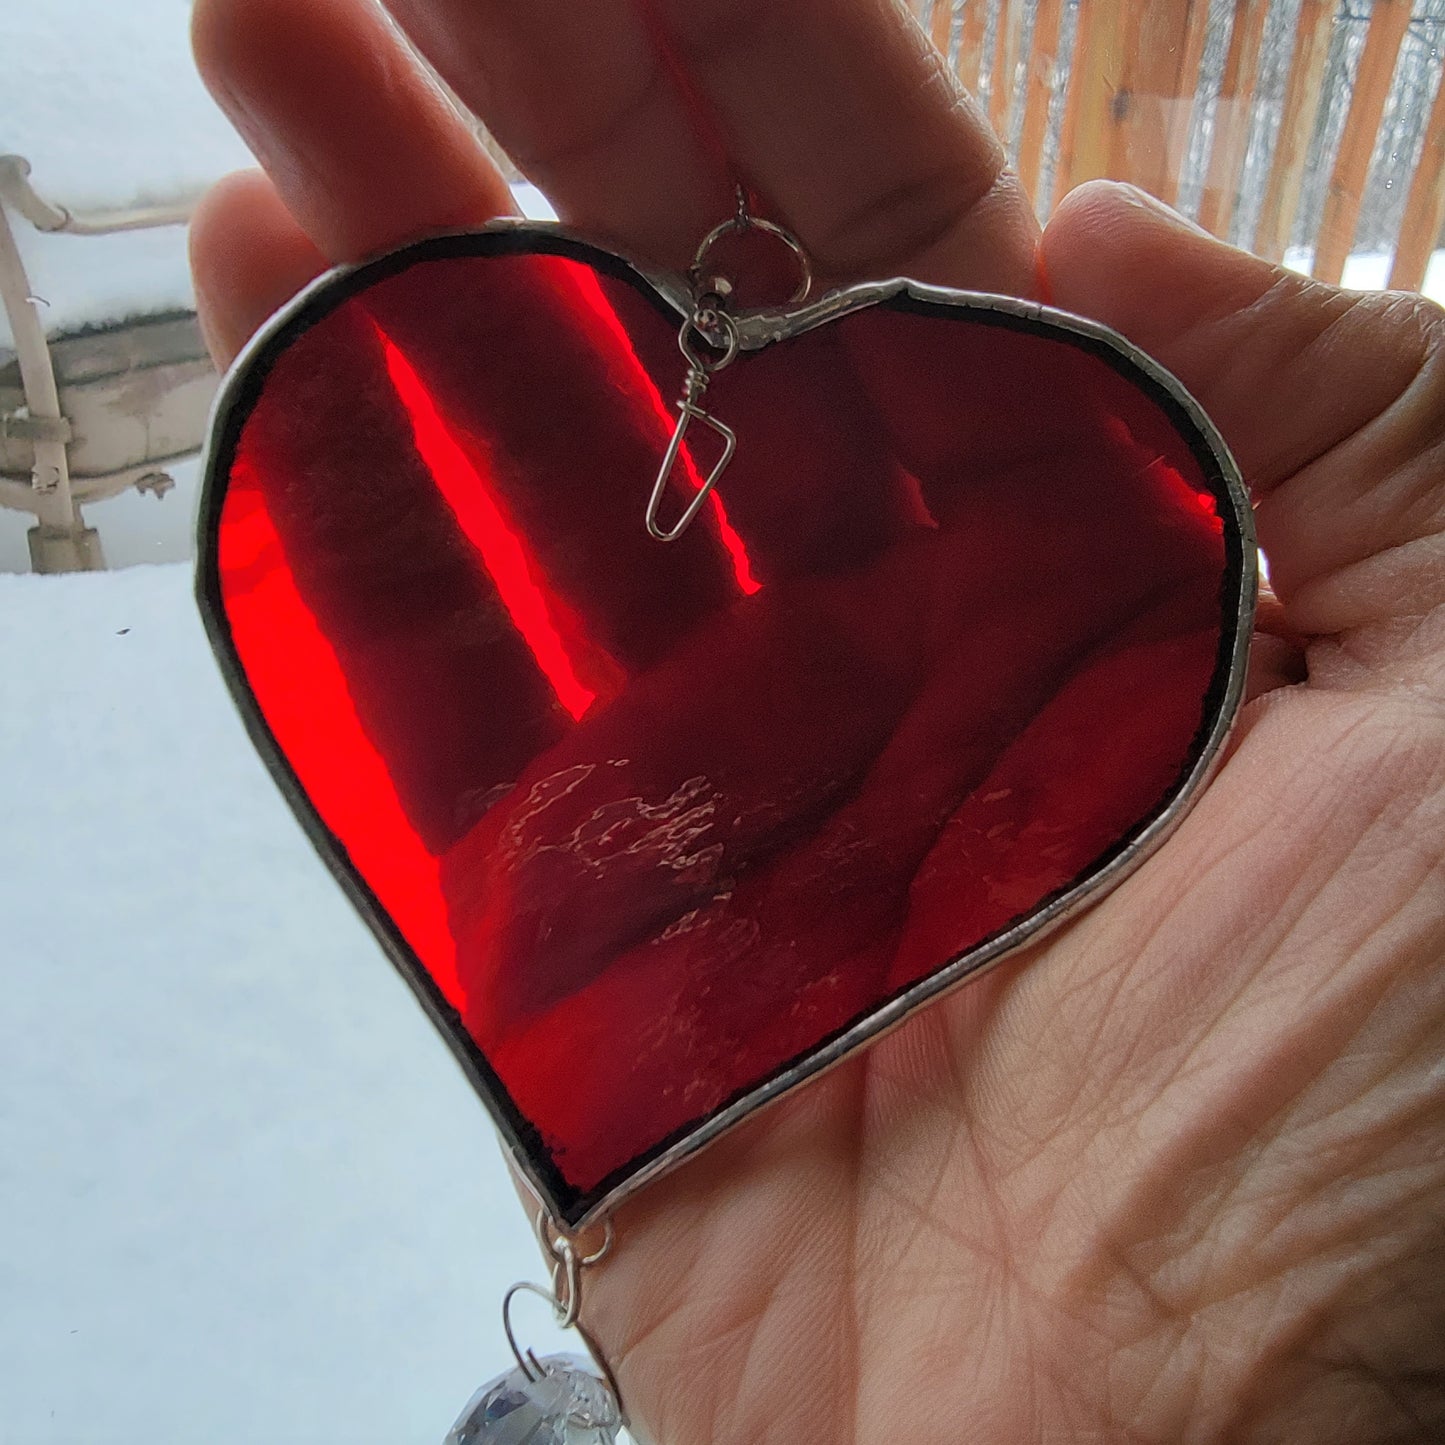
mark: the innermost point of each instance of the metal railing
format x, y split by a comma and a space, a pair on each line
61, 540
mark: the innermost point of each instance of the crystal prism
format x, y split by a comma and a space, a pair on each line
568, 1405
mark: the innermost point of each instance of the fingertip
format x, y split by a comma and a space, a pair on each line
359, 139
203, 38
248, 257
1122, 256
1103, 207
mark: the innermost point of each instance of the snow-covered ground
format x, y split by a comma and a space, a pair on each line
245, 1196
104, 101
1370, 271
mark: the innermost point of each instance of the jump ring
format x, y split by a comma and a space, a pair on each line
556, 1245
745, 222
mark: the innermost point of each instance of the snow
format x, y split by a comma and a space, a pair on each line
91, 280
244, 1193
104, 101
1370, 271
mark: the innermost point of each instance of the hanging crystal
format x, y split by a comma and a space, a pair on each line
566, 1403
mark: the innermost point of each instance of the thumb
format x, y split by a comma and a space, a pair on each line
1333, 401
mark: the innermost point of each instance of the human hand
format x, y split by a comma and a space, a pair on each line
1176, 1174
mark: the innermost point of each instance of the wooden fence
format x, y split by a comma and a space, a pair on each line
1274, 123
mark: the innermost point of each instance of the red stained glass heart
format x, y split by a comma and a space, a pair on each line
657, 830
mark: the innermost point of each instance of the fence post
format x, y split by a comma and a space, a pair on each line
1083, 145
1232, 116
1043, 64
941, 26
1182, 48
970, 48
1008, 36
1131, 89
1425, 206
1389, 19
1302, 98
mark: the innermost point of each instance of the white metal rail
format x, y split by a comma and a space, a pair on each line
40, 420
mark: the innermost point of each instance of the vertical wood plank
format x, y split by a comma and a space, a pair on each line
1303, 92
1004, 69
970, 48
1389, 20
1425, 205
941, 29
1232, 116
1130, 99
1084, 142
1038, 92
1180, 100
1161, 72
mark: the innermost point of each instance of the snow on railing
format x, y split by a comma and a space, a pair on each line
17, 192
60, 541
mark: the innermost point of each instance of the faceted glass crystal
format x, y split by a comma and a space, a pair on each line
648, 824
568, 1405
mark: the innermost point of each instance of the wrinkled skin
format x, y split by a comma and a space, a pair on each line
1177, 1174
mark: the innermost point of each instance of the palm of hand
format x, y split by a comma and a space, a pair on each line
1171, 1175
1176, 1174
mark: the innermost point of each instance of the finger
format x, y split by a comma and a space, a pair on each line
419, 629
1331, 400
838, 111
363, 148
842, 110
248, 257
578, 97
1277, 652
527, 365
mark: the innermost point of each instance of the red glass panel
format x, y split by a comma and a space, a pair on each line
656, 819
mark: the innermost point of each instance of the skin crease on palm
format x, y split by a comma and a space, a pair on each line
1177, 1174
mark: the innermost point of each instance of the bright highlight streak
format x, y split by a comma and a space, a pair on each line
482, 520
596, 301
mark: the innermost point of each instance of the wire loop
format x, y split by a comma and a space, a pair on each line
708, 323
568, 1259
528, 1361
743, 220
554, 1241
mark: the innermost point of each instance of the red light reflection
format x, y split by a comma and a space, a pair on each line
480, 516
